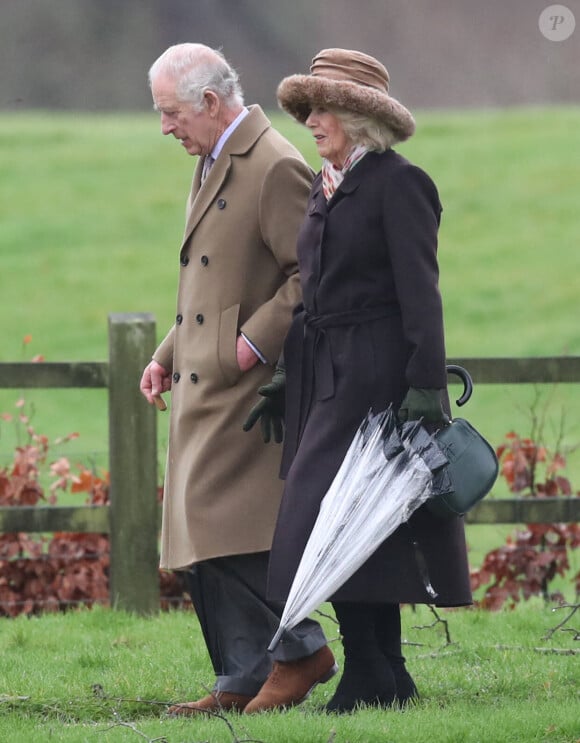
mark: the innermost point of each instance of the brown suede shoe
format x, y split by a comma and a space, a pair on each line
291, 682
221, 701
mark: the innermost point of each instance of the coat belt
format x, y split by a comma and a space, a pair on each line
351, 317
315, 326
307, 337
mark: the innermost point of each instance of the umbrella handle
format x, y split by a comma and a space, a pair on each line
465, 377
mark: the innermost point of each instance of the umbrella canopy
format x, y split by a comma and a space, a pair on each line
385, 476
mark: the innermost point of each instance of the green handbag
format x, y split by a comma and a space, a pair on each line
473, 469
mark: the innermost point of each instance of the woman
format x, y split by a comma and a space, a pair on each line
369, 333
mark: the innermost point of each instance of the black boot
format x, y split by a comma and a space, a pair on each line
388, 633
367, 678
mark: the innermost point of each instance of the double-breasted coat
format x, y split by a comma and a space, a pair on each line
370, 327
237, 273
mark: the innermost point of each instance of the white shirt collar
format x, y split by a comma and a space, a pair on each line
219, 145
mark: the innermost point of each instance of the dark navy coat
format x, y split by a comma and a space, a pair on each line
371, 326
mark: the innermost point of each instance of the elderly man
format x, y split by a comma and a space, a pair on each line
238, 284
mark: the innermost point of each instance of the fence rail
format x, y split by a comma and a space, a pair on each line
132, 518
525, 370
95, 519
54, 374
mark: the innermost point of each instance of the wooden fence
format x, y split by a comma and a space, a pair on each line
132, 518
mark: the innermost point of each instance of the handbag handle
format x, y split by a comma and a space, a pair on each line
465, 377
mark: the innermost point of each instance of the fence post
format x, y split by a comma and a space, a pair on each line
134, 572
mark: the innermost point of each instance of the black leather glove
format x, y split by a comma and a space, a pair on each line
422, 403
270, 411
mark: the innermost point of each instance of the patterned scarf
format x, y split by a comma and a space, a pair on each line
332, 176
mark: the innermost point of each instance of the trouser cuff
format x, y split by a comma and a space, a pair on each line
294, 649
238, 685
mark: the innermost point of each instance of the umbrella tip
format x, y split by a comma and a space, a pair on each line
276, 639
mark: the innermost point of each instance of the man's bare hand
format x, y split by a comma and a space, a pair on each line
155, 380
244, 354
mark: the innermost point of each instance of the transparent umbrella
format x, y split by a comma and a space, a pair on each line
385, 476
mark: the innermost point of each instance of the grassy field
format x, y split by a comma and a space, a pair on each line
108, 676
92, 209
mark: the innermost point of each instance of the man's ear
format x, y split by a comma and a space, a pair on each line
212, 103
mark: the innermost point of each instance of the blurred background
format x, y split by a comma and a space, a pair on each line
93, 55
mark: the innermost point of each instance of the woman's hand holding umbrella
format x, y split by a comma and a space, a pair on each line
422, 404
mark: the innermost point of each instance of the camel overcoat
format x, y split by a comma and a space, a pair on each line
370, 327
237, 273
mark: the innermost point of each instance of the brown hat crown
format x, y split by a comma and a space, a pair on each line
344, 65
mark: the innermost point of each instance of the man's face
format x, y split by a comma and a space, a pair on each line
196, 130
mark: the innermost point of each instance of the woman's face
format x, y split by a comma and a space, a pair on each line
331, 140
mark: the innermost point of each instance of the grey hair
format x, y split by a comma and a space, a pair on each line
364, 130
198, 68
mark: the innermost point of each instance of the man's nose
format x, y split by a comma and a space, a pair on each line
167, 125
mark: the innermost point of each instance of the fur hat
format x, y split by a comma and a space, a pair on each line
348, 80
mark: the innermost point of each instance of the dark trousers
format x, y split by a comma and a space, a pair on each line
238, 623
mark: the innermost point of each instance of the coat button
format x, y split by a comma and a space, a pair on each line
184, 260
204, 260
179, 319
176, 376
199, 319
221, 204
193, 376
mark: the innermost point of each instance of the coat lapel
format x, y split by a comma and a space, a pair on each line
203, 194
241, 141
353, 179
317, 201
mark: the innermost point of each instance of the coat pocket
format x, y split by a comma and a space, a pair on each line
227, 338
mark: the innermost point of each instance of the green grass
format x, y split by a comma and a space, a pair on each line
490, 684
92, 214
